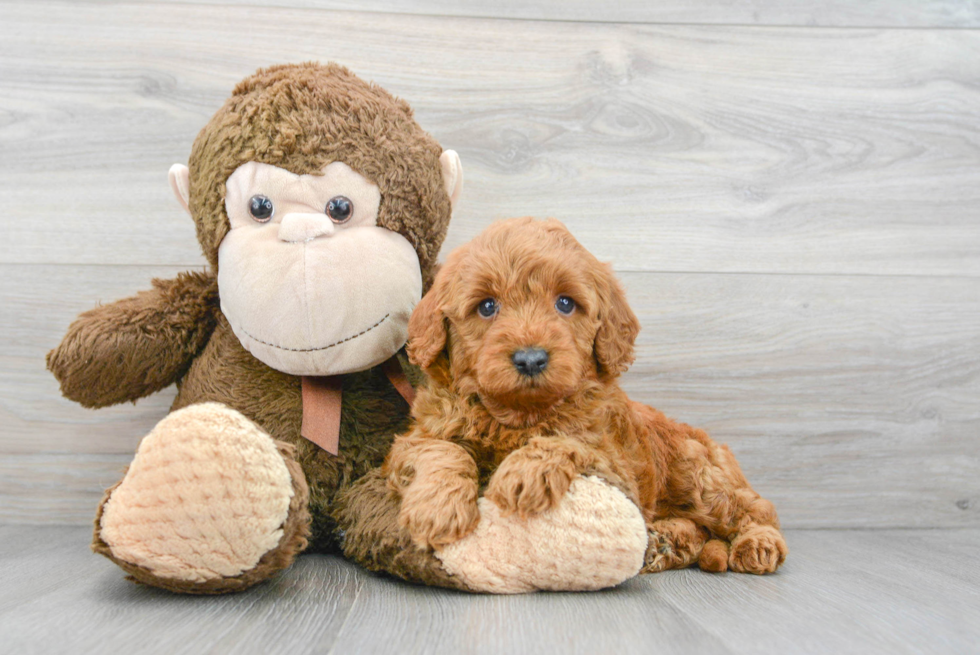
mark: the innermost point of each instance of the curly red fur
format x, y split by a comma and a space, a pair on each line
526, 437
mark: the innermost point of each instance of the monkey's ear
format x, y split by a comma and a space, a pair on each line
180, 184
452, 175
618, 327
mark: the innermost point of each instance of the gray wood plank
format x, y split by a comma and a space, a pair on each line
39, 302
861, 591
851, 401
804, 13
846, 591
675, 148
846, 399
57, 593
629, 619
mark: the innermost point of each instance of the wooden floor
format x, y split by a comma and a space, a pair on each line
847, 591
888, 591
789, 189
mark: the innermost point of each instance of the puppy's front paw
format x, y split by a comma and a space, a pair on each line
530, 482
759, 549
439, 512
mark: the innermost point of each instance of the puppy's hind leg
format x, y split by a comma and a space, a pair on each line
732, 510
757, 545
673, 544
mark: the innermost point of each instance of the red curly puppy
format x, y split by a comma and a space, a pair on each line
523, 336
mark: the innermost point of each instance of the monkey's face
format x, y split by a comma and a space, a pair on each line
308, 281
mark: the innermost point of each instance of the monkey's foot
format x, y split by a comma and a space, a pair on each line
211, 504
593, 539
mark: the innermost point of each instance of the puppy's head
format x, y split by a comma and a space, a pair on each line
523, 316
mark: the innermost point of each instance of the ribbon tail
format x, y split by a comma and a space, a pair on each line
322, 397
393, 369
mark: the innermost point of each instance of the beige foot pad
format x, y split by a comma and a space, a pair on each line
205, 498
595, 538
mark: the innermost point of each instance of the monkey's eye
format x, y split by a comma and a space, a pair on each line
339, 209
488, 308
565, 305
261, 209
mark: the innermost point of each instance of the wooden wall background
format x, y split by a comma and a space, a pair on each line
790, 191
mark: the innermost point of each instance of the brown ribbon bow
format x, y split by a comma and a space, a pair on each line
322, 395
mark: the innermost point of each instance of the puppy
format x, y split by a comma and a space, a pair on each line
523, 336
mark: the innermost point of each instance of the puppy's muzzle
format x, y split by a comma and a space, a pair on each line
530, 361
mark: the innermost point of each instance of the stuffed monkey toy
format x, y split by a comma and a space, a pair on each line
320, 205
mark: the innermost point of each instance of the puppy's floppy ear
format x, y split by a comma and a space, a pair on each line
618, 326
427, 325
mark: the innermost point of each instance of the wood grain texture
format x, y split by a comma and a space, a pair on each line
795, 211
839, 592
39, 304
804, 13
851, 401
56, 592
674, 148
846, 399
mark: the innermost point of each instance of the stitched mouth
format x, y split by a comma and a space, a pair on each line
310, 350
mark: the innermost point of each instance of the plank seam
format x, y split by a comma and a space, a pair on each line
573, 21
631, 270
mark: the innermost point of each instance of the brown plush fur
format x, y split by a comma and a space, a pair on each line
154, 336
300, 118
367, 513
480, 422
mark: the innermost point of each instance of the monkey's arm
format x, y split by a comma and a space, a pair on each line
136, 346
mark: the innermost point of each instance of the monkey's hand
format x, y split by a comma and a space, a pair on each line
136, 346
437, 482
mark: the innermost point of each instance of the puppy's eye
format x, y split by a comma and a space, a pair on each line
339, 209
261, 209
565, 305
487, 308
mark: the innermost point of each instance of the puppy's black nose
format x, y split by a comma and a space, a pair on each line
530, 361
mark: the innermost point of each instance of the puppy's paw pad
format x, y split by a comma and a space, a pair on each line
674, 544
760, 549
660, 554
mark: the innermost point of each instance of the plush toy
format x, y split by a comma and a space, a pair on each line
320, 205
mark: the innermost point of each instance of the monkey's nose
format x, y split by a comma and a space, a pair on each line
297, 227
530, 361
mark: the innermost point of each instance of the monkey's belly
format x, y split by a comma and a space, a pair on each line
372, 413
